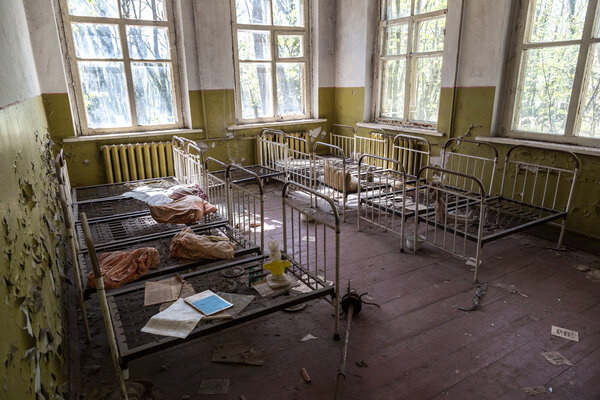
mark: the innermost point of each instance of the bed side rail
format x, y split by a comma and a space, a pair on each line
548, 183
330, 175
246, 206
298, 162
312, 241
180, 157
215, 188
382, 194
346, 141
451, 219
412, 152
374, 144
106, 316
273, 149
471, 157
195, 165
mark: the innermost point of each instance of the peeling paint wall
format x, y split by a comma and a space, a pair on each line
31, 228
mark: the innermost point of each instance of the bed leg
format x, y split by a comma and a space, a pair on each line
563, 227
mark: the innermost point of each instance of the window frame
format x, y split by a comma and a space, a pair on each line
410, 57
274, 31
513, 91
76, 93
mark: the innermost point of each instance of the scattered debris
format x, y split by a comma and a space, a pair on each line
479, 293
565, 333
296, 308
556, 358
305, 375
593, 275
362, 364
534, 390
308, 337
165, 367
142, 390
582, 267
214, 386
236, 353
510, 288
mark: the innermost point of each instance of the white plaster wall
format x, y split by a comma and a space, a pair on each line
214, 43
326, 42
46, 46
482, 41
350, 42
18, 78
188, 27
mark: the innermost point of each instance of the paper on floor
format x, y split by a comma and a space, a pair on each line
162, 291
178, 321
565, 333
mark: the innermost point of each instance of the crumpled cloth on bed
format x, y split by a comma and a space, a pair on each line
185, 210
179, 191
187, 245
334, 178
120, 267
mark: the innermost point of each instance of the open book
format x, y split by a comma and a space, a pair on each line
208, 303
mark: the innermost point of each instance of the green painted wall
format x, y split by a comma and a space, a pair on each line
32, 260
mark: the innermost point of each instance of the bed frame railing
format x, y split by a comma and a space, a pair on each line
273, 150
454, 218
473, 158
412, 152
246, 207
312, 242
381, 187
345, 142
332, 166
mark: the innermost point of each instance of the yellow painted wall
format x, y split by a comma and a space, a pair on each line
211, 110
32, 260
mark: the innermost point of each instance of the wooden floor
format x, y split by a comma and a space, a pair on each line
416, 346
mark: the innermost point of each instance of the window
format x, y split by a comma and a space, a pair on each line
123, 64
556, 75
271, 52
409, 70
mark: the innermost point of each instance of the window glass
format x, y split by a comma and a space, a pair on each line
147, 43
392, 90
397, 9
254, 45
104, 93
289, 88
96, 41
153, 93
395, 40
590, 106
288, 13
289, 46
429, 35
256, 90
253, 12
547, 80
425, 6
99, 8
427, 89
558, 20
152, 10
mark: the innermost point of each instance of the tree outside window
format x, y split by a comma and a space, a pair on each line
271, 59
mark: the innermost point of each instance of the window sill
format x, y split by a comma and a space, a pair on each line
401, 128
129, 135
591, 151
275, 124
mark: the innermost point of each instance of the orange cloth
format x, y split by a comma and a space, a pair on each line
185, 210
187, 245
120, 267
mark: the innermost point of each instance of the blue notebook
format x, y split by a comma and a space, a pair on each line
208, 302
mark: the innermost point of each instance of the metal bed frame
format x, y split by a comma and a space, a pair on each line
465, 156
124, 314
384, 188
531, 194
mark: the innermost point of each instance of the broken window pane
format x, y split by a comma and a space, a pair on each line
254, 45
151, 10
289, 46
256, 90
395, 40
546, 82
99, 8
425, 6
96, 41
153, 93
427, 89
590, 107
104, 94
253, 12
288, 13
289, 88
392, 89
397, 9
147, 43
429, 35
556, 20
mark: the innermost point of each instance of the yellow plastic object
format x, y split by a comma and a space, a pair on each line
277, 267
